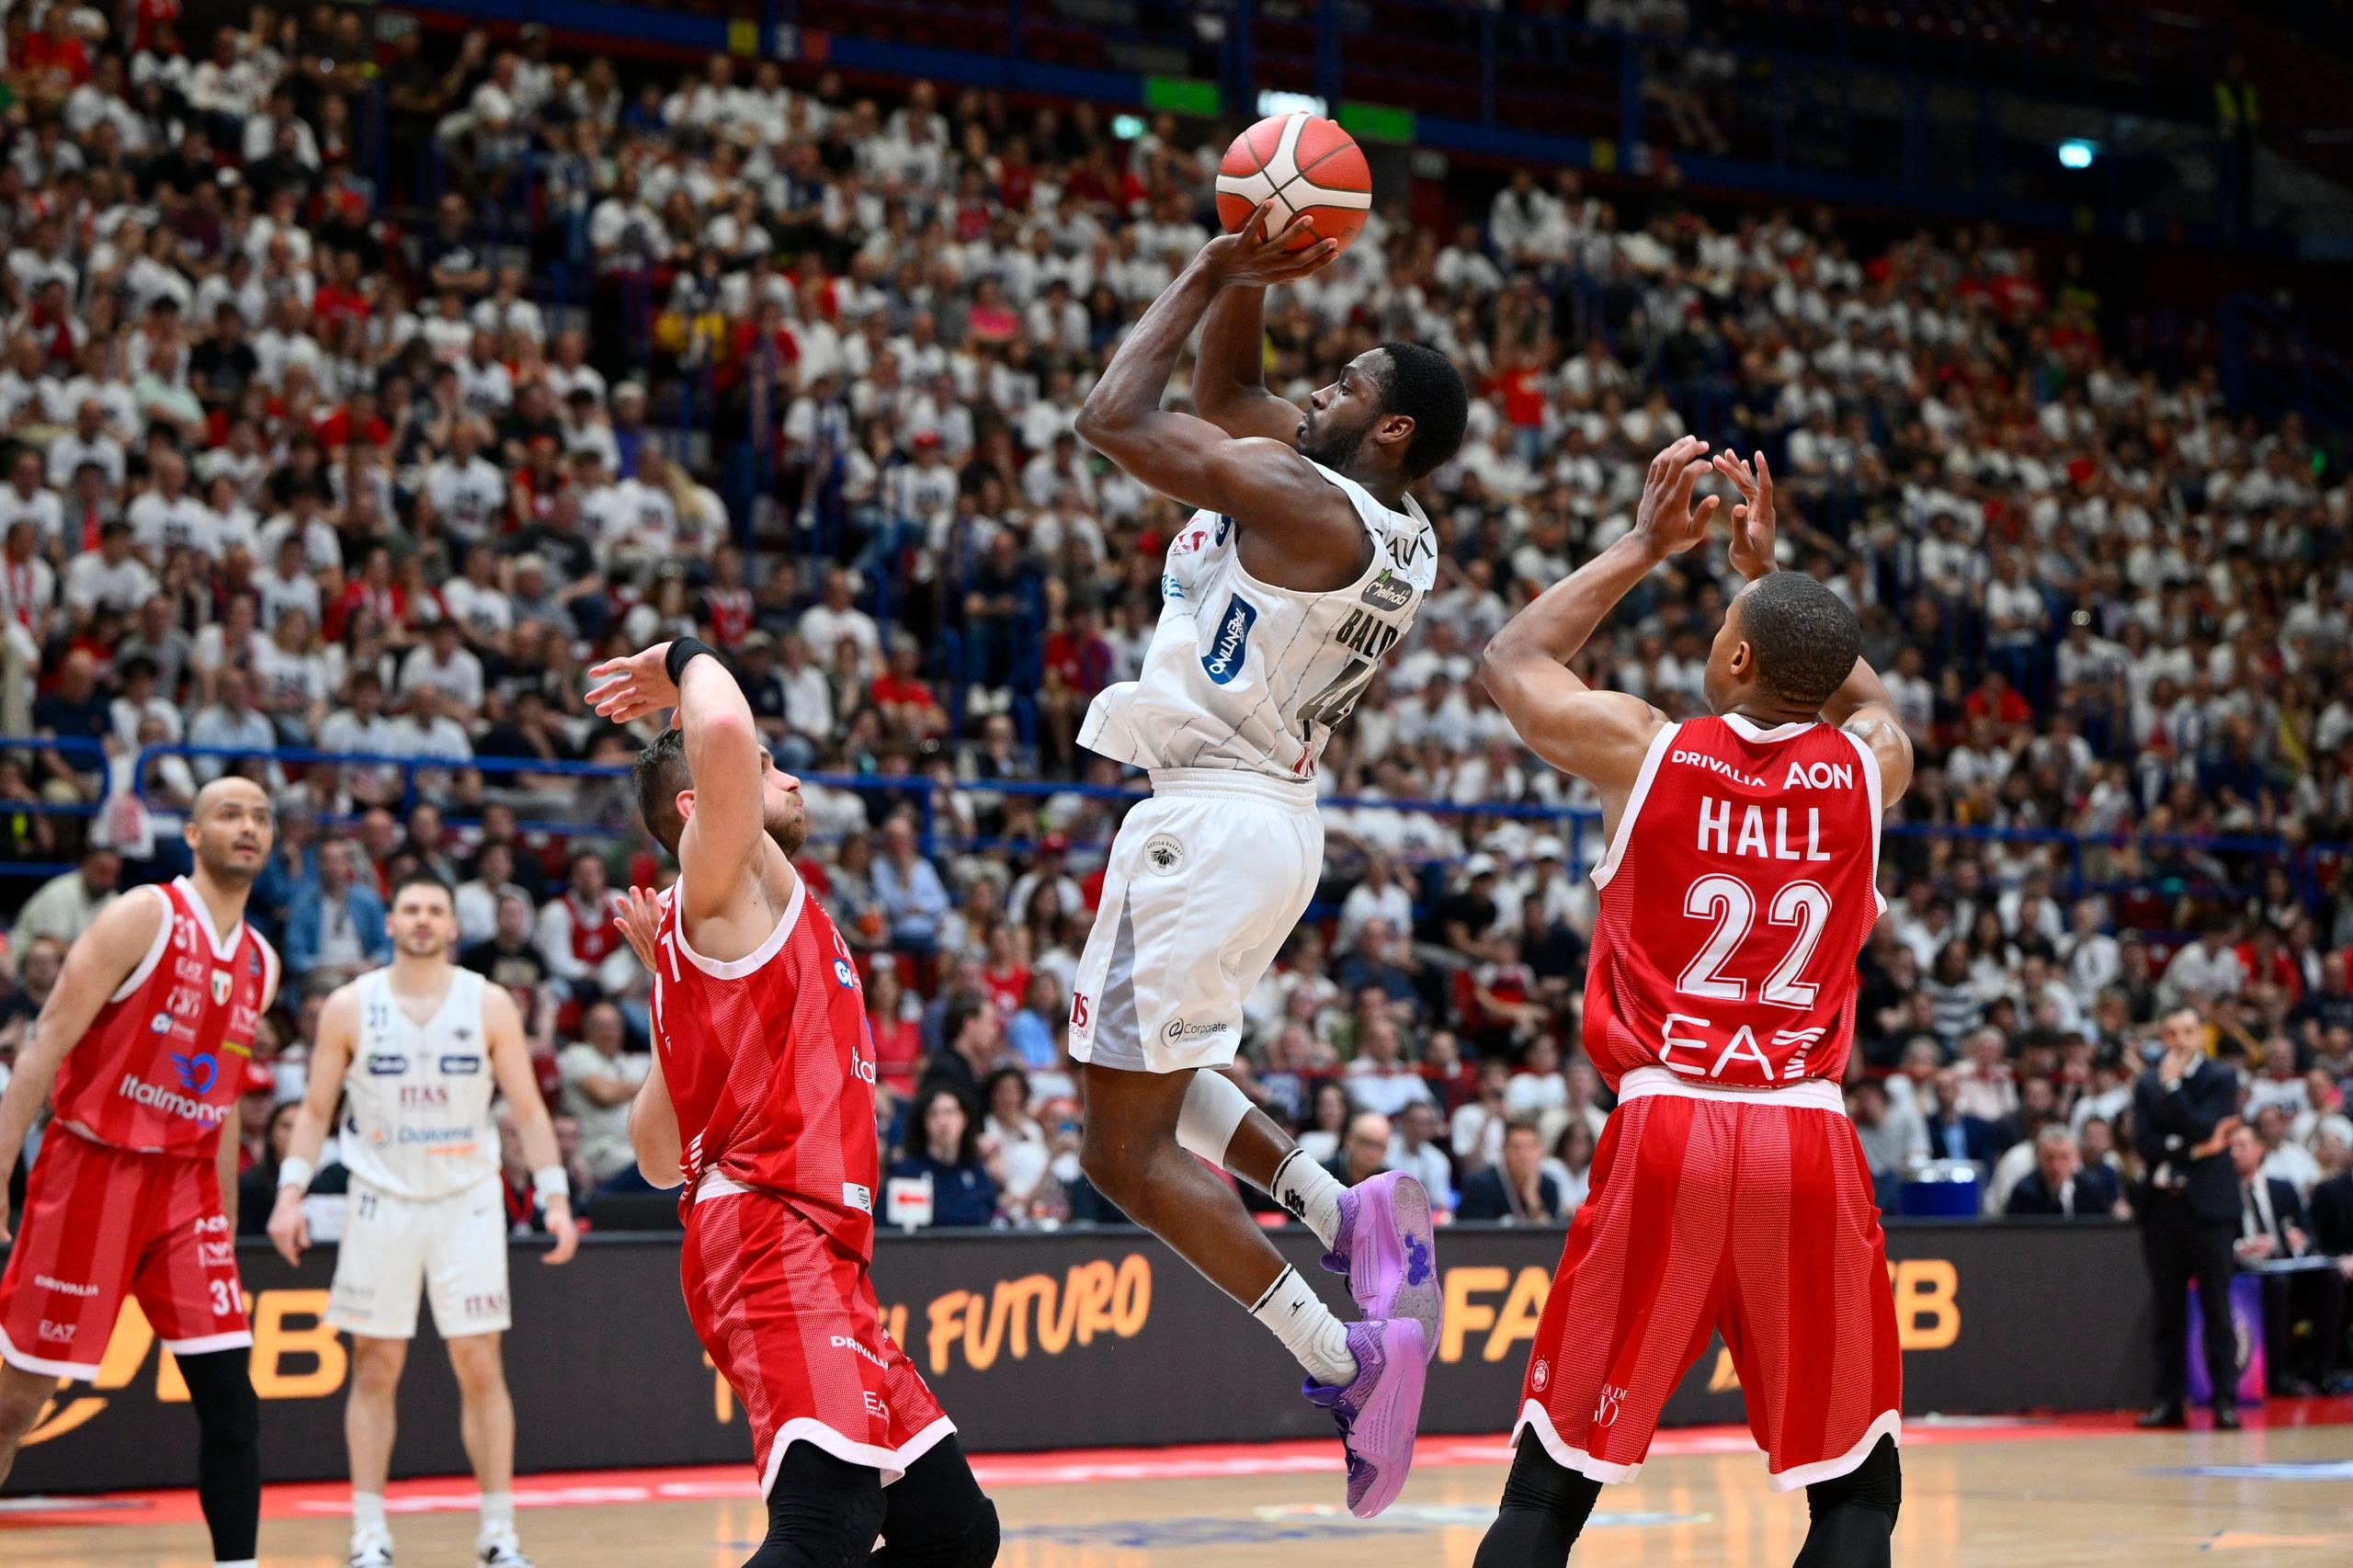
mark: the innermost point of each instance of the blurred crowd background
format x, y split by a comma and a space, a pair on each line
307, 460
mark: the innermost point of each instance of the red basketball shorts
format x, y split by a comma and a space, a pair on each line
1748, 1215
100, 1223
790, 1321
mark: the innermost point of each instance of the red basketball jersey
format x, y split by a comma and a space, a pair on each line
1737, 892
769, 1064
161, 1066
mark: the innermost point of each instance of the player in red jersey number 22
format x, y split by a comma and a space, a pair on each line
760, 1105
1729, 1191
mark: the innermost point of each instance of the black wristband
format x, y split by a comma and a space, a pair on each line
682, 653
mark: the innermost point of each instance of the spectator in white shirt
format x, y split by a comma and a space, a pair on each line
449, 667
837, 619
2207, 970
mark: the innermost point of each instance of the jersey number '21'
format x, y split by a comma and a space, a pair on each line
1729, 902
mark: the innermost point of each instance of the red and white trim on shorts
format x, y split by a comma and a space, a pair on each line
205, 1343
892, 1462
1889, 1423
80, 1371
1533, 1418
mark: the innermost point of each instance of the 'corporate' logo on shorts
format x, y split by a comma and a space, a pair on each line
1224, 660
1178, 1031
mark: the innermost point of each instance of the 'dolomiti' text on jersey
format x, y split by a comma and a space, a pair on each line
1243, 675
771, 1067
1736, 894
160, 1068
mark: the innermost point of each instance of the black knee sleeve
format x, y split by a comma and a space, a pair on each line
823, 1511
982, 1539
936, 1517
1545, 1509
1854, 1514
228, 1454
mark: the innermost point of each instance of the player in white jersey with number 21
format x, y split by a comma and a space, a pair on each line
415, 1051
1304, 565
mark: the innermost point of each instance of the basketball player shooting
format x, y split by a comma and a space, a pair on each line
1729, 1192
146, 1042
413, 1051
1304, 565
760, 1107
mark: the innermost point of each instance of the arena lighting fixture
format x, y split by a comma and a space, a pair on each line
2077, 153
1292, 103
1127, 127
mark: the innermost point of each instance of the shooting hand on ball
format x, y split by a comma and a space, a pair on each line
1253, 257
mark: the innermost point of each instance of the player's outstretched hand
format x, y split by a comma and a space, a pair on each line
4, 1237
1753, 523
638, 916
1665, 520
290, 1228
566, 1232
631, 687
1254, 257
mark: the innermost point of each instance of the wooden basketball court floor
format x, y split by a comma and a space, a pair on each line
2018, 1493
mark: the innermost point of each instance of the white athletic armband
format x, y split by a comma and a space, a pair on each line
551, 1183
296, 1174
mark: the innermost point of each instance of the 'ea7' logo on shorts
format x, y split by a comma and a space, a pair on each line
1223, 660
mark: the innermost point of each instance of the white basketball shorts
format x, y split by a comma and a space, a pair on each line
453, 1249
1207, 880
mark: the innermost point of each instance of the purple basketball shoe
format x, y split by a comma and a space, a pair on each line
1388, 1252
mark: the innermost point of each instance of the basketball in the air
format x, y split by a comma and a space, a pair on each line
1309, 165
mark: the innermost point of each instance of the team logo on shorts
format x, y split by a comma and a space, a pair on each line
1223, 660
845, 973
1163, 853
1540, 1374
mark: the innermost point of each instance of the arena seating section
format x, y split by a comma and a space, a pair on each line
512, 384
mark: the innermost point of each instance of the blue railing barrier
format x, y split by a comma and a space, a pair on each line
1578, 826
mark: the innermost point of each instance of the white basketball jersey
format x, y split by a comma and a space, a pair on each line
417, 1097
1243, 675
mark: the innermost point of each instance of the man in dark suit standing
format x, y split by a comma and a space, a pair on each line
2182, 1112
2061, 1183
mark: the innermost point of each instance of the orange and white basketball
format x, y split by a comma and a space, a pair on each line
1308, 165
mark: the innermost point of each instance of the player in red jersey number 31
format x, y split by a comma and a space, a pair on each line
141, 1052
1729, 1192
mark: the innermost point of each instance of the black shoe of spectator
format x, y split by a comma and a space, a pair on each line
2162, 1415
2226, 1417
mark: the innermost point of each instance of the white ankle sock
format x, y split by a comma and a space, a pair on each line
1310, 1192
497, 1516
368, 1516
1298, 1317
241, 1563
